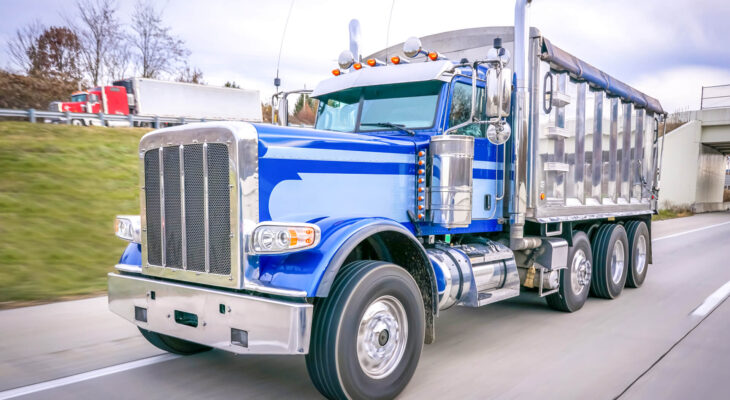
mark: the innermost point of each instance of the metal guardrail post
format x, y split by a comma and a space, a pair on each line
31, 116
182, 120
157, 122
130, 117
68, 117
101, 118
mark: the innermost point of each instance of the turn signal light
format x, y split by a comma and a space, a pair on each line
271, 238
357, 66
336, 72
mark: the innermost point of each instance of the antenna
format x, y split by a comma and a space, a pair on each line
355, 34
387, 33
277, 81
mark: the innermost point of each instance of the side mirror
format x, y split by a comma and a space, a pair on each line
499, 92
283, 112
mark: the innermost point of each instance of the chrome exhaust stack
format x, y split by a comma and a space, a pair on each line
518, 188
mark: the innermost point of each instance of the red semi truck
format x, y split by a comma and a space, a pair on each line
151, 97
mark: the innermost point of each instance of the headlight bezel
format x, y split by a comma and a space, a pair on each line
296, 233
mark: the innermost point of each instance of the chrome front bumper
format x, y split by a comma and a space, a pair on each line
229, 321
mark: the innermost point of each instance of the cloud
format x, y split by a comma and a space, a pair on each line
680, 88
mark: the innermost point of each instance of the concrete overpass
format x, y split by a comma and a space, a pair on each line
695, 160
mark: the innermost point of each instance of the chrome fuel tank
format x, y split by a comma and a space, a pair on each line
452, 158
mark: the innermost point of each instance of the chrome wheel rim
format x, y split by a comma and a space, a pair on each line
640, 254
617, 261
580, 271
382, 336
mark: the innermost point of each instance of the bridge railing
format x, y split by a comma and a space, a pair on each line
715, 97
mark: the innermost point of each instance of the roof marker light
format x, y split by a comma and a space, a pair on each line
336, 72
374, 62
433, 56
397, 60
357, 66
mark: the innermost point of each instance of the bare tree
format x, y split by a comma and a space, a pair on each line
23, 46
118, 62
157, 51
99, 30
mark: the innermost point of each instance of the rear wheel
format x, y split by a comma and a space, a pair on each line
368, 333
638, 237
610, 261
575, 280
171, 344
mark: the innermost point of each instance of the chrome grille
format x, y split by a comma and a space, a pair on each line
187, 199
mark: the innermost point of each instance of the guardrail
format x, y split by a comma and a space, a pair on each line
67, 117
715, 97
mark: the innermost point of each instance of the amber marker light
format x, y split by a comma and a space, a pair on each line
420, 206
421, 153
421, 171
336, 72
420, 216
433, 56
357, 66
395, 60
420, 162
542, 196
420, 198
371, 62
420, 180
420, 190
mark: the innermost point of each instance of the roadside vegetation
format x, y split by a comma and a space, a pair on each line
60, 188
672, 212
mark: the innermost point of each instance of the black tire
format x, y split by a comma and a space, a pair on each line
566, 299
173, 345
333, 362
639, 248
603, 282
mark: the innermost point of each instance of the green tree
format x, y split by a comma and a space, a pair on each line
231, 84
57, 55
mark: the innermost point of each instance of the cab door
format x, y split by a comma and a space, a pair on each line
488, 174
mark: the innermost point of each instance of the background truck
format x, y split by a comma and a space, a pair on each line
424, 185
150, 97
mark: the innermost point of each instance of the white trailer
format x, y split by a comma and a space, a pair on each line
177, 99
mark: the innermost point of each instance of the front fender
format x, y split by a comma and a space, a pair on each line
314, 271
132, 255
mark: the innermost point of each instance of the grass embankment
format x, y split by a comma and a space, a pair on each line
60, 188
671, 213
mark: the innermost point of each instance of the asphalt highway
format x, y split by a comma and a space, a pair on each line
668, 340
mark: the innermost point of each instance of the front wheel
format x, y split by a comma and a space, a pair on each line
368, 333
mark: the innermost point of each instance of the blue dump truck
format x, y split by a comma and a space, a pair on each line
429, 181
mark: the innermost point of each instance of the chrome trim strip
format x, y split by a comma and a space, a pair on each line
206, 221
135, 269
183, 226
163, 243
583, 217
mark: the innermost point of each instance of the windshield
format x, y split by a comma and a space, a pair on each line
406, 105
78, 97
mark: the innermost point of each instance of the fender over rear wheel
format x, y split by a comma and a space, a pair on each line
367, 335
638, 237
575, 280
171, 344
610, 261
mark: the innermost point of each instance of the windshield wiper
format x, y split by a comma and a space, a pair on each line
399, 127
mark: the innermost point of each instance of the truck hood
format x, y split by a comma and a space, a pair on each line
306, 174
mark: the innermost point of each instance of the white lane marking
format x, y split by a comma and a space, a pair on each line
712, 300
38, 387
690, 231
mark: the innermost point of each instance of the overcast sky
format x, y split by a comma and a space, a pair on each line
668, 49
